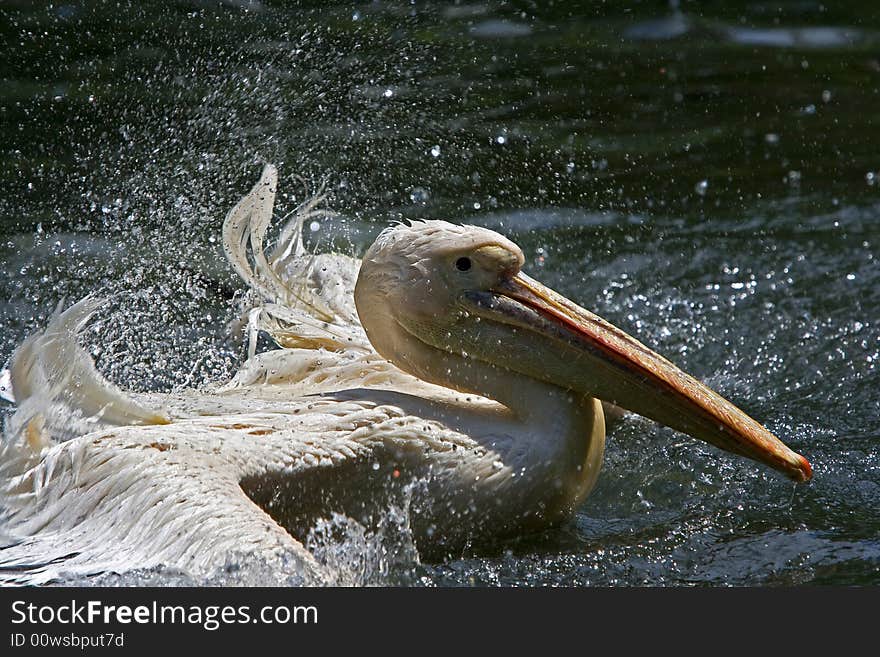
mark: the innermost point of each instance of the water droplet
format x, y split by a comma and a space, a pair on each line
826, 96
702, 187
477, 205
314, 226
850, 277
435, 150
388, 93
870, 178
501, 139
419, 195
771, 138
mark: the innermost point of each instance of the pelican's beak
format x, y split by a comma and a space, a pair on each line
624, 371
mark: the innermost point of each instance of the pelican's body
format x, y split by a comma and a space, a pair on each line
433, 376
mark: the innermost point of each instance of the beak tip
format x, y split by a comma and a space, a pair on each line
806, 469
801, 470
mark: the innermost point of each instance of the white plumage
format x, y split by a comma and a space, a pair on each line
482, 419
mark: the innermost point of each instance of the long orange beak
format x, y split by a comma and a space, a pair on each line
620, 369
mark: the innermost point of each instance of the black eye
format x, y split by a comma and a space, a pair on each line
463, 264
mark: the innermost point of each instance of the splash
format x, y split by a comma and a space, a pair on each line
355, 555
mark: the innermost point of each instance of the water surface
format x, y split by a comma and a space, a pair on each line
708, 178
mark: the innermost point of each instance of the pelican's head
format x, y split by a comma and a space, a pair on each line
450, 305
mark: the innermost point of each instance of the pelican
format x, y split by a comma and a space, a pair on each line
433, 373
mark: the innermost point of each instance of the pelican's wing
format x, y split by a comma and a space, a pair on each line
59, 394
300, 299
174, 496
139, 497
94, 479
51, 369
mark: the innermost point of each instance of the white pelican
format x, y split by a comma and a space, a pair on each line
459, 381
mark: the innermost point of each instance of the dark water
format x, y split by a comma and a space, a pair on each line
707, 177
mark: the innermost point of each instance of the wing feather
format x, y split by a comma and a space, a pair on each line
146, 496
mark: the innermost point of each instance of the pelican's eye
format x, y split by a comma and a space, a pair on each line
463, 264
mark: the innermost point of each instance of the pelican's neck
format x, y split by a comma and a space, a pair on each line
559, 420
561, 434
